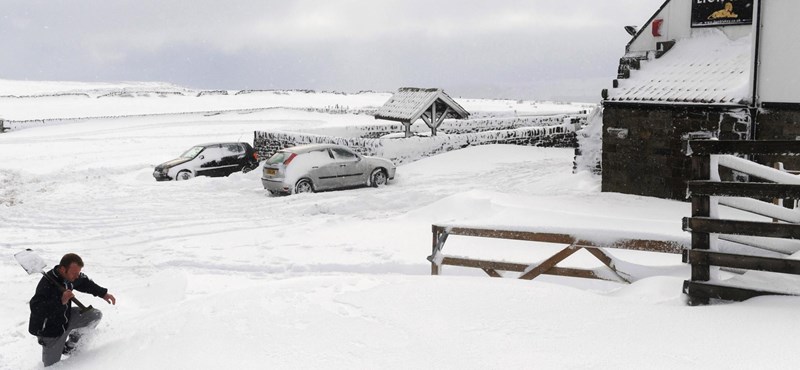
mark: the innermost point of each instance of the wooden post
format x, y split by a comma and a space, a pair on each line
434, 248
439, 237
433, 119
701, 207
438, 121
777, 201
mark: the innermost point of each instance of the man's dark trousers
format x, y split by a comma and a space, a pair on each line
53, 347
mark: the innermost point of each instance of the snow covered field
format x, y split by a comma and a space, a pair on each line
214, 273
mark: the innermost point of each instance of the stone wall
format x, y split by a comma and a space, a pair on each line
642, 144
407, 150
451, 126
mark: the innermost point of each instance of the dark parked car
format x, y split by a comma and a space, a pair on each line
316, 167
214, 159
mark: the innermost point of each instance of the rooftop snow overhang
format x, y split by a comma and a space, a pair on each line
707, 69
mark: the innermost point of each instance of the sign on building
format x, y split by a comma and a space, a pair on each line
713, 13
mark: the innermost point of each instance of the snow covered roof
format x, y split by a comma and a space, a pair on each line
409, 103
707, 68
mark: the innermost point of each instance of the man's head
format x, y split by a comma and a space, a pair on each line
70, 266
728, 6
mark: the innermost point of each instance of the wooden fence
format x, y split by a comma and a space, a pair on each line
704, 222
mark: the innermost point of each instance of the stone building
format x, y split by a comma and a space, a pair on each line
699, 68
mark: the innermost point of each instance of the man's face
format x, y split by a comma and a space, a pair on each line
71, 273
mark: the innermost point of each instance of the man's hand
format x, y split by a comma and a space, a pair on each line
66, 296
110, 299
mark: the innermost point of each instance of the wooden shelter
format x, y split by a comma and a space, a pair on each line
411, 103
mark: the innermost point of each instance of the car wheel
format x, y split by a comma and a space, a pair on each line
378, 178
303, 186
184, 175
249, 167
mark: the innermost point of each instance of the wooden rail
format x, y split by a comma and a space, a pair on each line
734, 227
738, 261
702, 225
774, 147
548, 266
744, 189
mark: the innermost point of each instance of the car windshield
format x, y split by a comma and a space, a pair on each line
191, 153
278, 157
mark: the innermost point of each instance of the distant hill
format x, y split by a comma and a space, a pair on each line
49, 88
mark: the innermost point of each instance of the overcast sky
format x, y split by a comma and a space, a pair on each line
533, 49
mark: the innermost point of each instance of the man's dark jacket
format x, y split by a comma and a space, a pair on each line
49, 318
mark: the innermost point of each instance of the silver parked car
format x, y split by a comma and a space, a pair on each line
317, 167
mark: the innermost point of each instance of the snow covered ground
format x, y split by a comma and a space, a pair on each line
214, 273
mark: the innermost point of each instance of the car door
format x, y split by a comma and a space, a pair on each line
210, 161
232, 158
350, 172
323, 169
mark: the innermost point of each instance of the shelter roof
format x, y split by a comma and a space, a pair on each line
409, 103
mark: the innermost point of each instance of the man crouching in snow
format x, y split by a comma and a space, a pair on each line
52, 314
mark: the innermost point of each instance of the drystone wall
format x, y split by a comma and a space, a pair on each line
451, 126
407, 150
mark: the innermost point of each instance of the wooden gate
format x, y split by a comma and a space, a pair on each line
548, 266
